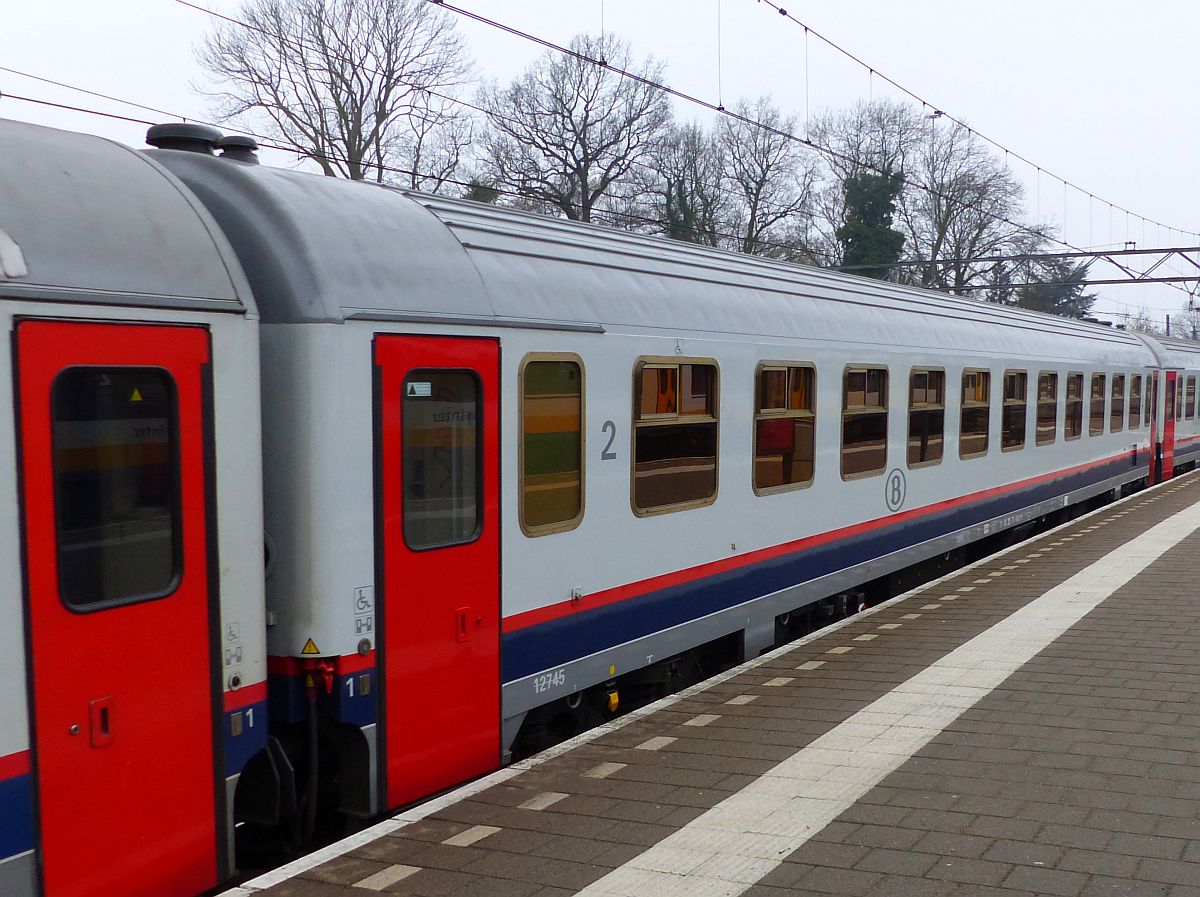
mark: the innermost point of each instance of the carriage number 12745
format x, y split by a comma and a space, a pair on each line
546, 681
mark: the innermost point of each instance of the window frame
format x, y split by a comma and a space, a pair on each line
1037, 438
178, 536
924, 369
480, 466
1091, 403
962, 405
1004, 403
781, 414
885, 411
1112, 400
564, 525
1083, 400
653, 420
1138, 393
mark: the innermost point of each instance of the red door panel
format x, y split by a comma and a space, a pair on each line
439, 478
112, 451
1168, 427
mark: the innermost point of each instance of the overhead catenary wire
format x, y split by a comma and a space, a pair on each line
610, 213
449, 98
265, 143
717, 108
714, 107
598, 216
809, 30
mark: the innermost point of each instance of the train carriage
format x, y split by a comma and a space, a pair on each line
514, 464
132, 653
1180, 364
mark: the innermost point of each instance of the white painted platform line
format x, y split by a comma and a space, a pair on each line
471, 836
723, 852
385, 878
657, 743
544, 800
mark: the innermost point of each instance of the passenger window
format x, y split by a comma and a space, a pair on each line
1169, 400
1190, 412
1073, 422
1135, 401
1096, 415
674, 435
926, 416
440, 458
551, 444
1047, 408
1013, 412
976, 409
1179, 397
864, 422
1148, 403
116, 485
1116, 410
783, 427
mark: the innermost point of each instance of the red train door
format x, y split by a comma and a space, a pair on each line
439, 476
116, 553
1168, 426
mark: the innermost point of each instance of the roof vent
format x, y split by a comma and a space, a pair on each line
239, 149
190, 138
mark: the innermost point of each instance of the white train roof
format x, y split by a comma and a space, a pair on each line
324, 249
83, 219
1177, 353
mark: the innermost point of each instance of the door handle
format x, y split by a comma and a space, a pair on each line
100, 711
462, 631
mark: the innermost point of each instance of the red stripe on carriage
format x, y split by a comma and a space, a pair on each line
245, 696
634, 589
14, 765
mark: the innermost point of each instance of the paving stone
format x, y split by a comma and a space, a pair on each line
346, 870
824, 880
1046, 881
966, 870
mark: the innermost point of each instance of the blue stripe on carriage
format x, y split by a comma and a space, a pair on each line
16, 808
559, 641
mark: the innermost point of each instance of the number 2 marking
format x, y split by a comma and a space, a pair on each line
611, 429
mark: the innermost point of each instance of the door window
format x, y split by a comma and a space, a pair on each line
441, 447
116, 485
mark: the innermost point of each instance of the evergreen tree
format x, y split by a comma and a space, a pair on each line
481, 191
1062, 291
867, 237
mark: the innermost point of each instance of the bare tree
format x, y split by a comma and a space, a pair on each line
1141, 321
688, 170
570, 129
1185, 323
962, 204
347, 83
768, 180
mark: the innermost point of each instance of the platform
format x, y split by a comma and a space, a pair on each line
1028, 725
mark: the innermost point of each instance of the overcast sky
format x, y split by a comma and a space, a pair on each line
1101, 92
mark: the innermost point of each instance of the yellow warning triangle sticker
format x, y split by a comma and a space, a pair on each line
310, 647
137, 395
